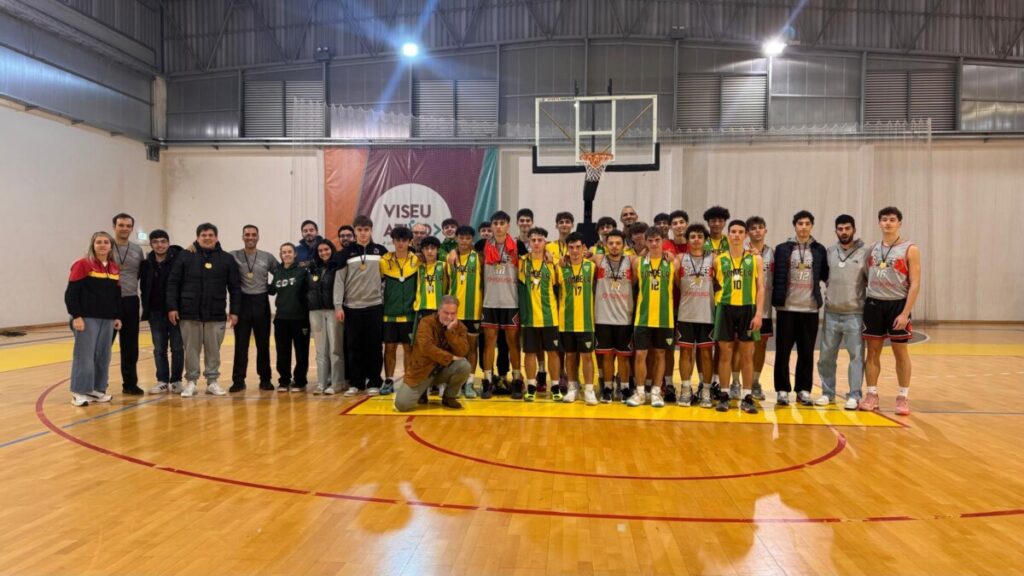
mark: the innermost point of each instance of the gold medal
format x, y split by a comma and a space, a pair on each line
362, 266
499, 269
316, 278
248, 274
401, 278
208, 266
615, 285
462, 277
883, 264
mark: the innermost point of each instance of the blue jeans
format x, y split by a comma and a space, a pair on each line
842, 330
164, 334
90, 361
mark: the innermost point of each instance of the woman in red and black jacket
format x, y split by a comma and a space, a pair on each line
93, 299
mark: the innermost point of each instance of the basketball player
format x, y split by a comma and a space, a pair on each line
501, 300
655, 322
398, 269
576, 304
739, 295
605, 224
756, 231
679, 221
894, 281
538, 308
716, 217
694, 318
613, 313
465, 282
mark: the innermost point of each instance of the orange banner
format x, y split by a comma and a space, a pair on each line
343, 179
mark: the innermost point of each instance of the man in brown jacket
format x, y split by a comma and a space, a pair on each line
438, 358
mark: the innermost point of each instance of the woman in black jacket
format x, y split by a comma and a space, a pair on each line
93, 300
325, 329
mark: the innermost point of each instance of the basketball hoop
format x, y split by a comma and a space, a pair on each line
595, 163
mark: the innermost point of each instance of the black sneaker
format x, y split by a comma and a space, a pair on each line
237, 387
132, 390
517, 389
451, 403
606, 395
501, 387
531, 393
542, 381
626, 394
670, 393
748, 405
723, 402
424, 399
266, 385
488, 392
695, 398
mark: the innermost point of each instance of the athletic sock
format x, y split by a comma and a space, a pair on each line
872, 389
647, 384
736, 377
488, 374
757, 377
609, 385
517, 375
745, 393
469, 380
532, 382
903, 391
667, 380
574, 385
714, 379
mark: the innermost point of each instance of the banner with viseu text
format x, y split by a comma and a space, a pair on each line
406, 186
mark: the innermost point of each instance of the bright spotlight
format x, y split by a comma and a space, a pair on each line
410, 50
773, 47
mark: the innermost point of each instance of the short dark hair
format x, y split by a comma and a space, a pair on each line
662, 217
122, 216
606, 221
678, 214
616, 233
537, 230
565, 216
637, 228
716, 212
524, 212
465, 230
574, 237
253, 226
891, 211
485, 224
361, 221
755, 220
204, 227
290, 245
346, 227
696, 228
737, 222
401, 233
652, 232
449, 222
159, 234
846, 219
430, 241
500, 216
801, 215
304, 222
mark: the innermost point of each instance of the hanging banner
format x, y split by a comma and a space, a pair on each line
406, 186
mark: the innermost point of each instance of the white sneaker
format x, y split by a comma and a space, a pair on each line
782, 399
79, 400
373, 391
189, 391
823, 400
685, 396
329, 391
160, 388
851, 403
318, 390
656, 400
804, 397
352, 391
637, 399
570, 396
215, 389
98, 397
589, 397
175, 387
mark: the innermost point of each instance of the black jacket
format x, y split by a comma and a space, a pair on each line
153, 277
780, 279
320, 292
200, 282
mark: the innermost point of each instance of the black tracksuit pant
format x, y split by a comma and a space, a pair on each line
364, 338
292, 335
129, 337
253, 320
801, 329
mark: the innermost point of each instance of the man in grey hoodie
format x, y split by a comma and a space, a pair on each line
844, 312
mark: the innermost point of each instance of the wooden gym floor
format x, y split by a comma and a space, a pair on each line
299, 484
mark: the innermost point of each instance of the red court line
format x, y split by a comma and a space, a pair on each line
353, 406
840, 445
41, 414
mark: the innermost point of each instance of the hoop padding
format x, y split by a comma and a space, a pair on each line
595, 163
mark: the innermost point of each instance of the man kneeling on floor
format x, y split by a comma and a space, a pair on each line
438, 358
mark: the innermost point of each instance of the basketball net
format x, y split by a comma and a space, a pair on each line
595, 163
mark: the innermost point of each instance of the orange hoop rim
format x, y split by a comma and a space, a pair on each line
596, 159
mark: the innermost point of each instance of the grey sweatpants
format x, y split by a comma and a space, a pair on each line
90, 361
206, 338
329, 338
453, 376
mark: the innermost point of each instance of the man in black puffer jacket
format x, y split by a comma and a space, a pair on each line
801, 265
153, 276
196, 298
